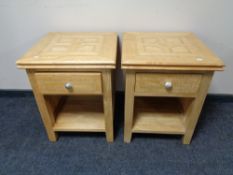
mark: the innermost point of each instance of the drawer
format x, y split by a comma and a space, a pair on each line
69, 83
164, 84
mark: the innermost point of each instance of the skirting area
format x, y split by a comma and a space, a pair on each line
25, 149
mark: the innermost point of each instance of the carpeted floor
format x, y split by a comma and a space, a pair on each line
25, 149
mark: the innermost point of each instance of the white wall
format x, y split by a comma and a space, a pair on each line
23, 22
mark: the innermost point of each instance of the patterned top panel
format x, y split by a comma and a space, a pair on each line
163, 45
73, 45
166, 49
73, 48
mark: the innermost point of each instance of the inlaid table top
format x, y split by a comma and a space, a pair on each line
72, 50
167, 51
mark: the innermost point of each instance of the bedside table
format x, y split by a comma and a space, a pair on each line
167, 79
71, 77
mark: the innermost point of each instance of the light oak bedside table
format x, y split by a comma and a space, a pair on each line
71, 78
167, 79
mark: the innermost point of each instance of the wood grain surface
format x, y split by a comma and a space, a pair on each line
177, 50
61, 50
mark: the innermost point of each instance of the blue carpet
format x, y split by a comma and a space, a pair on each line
25, 149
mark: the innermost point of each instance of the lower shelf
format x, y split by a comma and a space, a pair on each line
158, 115
81, 114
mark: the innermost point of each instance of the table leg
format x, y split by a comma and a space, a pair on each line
195, 108
44, 108
129, 105
108, 105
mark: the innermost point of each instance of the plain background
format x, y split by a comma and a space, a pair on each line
23, 22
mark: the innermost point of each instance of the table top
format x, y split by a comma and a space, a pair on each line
167, 50
72, 50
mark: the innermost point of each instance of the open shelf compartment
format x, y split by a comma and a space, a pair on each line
159, 115
79, 113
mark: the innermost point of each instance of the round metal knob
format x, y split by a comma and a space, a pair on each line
168, 85
68, 86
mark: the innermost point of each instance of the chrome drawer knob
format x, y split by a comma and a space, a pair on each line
68, 86
168, 85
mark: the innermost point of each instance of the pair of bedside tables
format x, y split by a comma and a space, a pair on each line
167, 77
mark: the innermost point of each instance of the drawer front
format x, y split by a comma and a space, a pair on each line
163, 84
69, 83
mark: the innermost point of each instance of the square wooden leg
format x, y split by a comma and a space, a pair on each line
193, 113
44, 108
129, 105
108, 105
